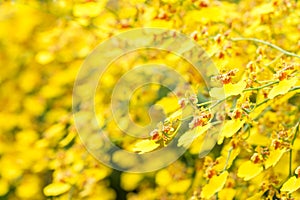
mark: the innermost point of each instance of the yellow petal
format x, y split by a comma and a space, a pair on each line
187, 138
198, 142
145, 146
90, 9
169, 104
291, 185
96, 173
4, 187
65, 141
235, 89
274, 157
214, 185
256, 196
227, 194
29, 187
249, 170
257, 138
229, 89
283, 87
205, 15
263, 9
231, 127
174, 116
44, 57
55, 131
129, 162
223, 159
55, 189
130, 181
217, 93
179, 186
163, 177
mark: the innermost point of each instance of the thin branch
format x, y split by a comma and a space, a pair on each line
294, 88
227, 159
273, 61
260, 87
266, 43
291, 150
204, 103
296, 132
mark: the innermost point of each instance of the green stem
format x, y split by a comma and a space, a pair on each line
247, 128
70, 195
290, 163
219, 101
227, 159
273, 61
296, 132
246, 90
294, 88
261, 87
263, 102
266, 100
291, 150
204, 103
266, 43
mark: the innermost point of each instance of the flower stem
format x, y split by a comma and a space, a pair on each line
291, 150
261, 87
294, 88
227, 159
266, 43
